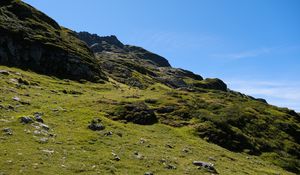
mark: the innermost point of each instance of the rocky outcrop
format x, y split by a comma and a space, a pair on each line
211, 83
112, 44
30, 39
137, 113
146, 55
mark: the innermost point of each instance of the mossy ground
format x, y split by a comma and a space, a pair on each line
73, 148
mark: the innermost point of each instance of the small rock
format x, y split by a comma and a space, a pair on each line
170, 167
26, 120
45, 127
208, 166
48, 151
8, 131
186, 150
43, 140
212, 158
38, 118
11, 107
16, 99
13, 81
37, 132
96, 125
4, 72
142, 140
109, 133
138, 155
22, 81
148, 173
162, 160
116, 157
169, 146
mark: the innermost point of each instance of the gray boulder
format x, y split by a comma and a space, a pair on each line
26, 120
205, 165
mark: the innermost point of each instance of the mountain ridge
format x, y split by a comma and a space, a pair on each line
125, 89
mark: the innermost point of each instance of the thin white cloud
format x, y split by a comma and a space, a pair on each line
257, 52
244, 54
284, 93
173, 41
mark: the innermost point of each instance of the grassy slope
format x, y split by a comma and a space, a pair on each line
79, 150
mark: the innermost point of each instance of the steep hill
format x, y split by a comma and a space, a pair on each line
31, 40
128, 111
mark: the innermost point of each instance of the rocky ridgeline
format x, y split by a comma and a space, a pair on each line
112, 44
30, 39
120, 61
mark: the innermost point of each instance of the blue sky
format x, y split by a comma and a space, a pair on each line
254, 46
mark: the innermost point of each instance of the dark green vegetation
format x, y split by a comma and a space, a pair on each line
147, 116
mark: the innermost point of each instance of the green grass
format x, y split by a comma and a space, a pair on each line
75, 149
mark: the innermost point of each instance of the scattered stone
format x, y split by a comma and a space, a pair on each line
16, 99
38, 118
26, 120
116, 157
27, 95
27, 131
138, 155
8, 131
170, 166
142, 140
37, 132
148, 173
4, 72
212, 158
186, 150
58, 109
96, 125
45, 127
13, 81
205, 165
43, 140
22, 81
25, 102
169, 146
10, 107
48, 151
109, 133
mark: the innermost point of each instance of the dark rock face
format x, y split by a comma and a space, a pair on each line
101, 43
136, 113
96, 125
146, 55
212, 83
31, 40
112, 44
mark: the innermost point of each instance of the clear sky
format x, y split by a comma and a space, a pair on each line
253, 45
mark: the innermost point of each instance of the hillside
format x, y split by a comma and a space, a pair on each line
81, 103
31, 40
